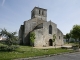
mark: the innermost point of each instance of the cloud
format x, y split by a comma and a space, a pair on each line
3, 2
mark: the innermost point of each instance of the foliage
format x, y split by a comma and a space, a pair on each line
9, 43
25, 52
32, 37
10, 36
75, 32
54, 37
8, 48
68, 36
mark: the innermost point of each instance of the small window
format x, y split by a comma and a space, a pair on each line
42, 12
59, 37
39, 11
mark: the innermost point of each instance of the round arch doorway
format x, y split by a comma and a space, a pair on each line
50, 42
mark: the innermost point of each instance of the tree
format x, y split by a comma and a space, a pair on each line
10, 36
67, 37
32, 37
75, 32
73, 36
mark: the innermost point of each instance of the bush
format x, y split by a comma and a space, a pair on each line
13, 47
8, 48
76, 47
3, 42
3, 47
32, 38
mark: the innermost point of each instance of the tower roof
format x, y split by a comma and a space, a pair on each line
38, 8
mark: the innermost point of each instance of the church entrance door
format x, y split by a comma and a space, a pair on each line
50, 42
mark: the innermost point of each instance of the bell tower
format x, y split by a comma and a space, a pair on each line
39, 13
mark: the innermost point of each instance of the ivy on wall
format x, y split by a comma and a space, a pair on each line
32, 37
54, 37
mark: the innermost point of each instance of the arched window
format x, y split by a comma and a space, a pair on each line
50, 29
39, 11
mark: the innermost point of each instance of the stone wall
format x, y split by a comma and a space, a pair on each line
46, 34
39, 38
43, 36
59, 40
28, 27
41, 29
37, 13
38, 23
21, 32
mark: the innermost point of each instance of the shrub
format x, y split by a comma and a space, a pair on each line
8, 48
3, 42
11, 37
3, 47
13, 47
75, 47
32, 38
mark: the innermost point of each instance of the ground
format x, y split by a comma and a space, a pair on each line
70, 56
26, 52
65, 45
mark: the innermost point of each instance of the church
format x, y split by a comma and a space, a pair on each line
43, 29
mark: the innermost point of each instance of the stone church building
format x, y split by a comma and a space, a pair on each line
43, 29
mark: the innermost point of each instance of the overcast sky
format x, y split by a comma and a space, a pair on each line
65, 13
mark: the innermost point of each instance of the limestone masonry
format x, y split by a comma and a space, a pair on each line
43, 29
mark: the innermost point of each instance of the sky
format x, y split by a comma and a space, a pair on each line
65, 13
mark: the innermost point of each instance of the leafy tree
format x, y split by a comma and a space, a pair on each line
75, 32
68, 37
73, 36
32, 38
10, 40
10, 36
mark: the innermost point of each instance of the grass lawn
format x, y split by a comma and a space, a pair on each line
25, 51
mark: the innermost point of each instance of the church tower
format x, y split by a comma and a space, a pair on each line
39, 13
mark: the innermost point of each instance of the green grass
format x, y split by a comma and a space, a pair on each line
25, 51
